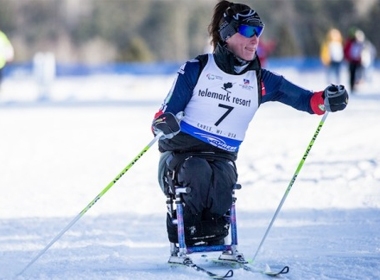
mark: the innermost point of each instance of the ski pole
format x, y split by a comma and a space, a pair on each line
92, 202
292, 181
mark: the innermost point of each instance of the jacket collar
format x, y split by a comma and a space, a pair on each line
230, 63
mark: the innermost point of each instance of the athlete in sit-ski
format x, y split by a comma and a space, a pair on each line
214, 97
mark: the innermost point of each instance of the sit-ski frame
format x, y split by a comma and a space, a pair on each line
182, 250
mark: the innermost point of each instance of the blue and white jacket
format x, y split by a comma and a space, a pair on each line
218, 103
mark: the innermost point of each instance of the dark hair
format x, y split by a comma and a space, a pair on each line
213, 28
218, 18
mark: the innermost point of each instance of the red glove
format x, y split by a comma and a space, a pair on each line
317, 103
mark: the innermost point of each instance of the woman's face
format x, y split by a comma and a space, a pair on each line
243, 47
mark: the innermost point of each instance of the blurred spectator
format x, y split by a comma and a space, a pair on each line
353, 49
368, 57
6, 53
331, 55
264, 49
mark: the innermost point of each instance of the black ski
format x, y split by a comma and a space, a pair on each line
268, 271
187, 262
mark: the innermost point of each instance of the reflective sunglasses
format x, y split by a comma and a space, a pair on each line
250, 31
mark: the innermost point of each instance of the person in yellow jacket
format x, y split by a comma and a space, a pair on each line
332, 55
6, 53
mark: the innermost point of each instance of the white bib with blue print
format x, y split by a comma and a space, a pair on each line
221, 107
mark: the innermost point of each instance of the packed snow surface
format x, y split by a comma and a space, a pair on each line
61, 147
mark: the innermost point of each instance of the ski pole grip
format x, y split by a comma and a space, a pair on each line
334, 90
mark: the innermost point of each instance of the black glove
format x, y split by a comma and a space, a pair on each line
335, 98
168, 124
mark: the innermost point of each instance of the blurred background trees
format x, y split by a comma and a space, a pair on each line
108, 31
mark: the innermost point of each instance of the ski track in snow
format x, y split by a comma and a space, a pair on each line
57, 154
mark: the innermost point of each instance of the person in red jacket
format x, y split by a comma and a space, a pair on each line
206, 114
353, 49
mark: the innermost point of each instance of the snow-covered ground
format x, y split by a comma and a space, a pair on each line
58, 151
